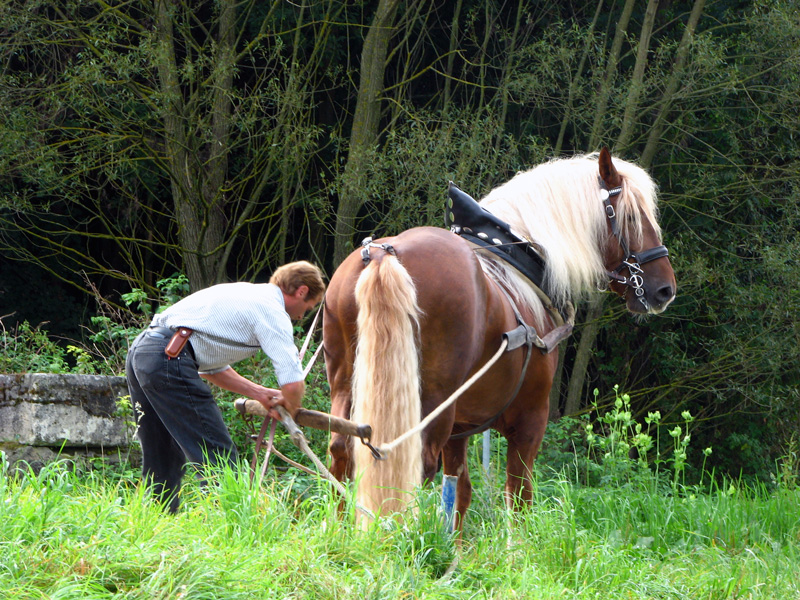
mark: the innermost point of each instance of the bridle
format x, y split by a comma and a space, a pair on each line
633, 261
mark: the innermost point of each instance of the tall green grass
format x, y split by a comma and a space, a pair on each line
69, 536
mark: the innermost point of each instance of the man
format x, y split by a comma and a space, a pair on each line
200, 337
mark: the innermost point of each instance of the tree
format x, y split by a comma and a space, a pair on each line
366, 124
176, 124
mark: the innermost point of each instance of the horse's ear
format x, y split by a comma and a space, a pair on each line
608, 172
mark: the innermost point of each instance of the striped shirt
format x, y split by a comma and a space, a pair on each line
231, 321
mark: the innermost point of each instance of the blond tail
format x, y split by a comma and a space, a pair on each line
386, 388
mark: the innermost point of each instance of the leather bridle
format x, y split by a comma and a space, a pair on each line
633, 261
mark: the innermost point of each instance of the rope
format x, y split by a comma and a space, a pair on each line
299, 440
297, 437
308, 338
311, 362
387, 448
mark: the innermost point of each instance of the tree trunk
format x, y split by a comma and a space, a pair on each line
637, 81
197, 186
451, 55
574, 83
672, 86
585, 346
595, 309
366, 124
608, 78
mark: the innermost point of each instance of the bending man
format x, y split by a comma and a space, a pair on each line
200, 337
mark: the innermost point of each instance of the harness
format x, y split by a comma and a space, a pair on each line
633, 261
469, 220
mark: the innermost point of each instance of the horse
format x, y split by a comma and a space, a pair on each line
409, 319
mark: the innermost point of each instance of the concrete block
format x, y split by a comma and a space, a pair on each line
42, 409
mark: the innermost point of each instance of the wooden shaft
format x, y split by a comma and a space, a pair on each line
309, 418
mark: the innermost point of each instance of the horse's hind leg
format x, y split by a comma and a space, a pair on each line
455, 463
341, 446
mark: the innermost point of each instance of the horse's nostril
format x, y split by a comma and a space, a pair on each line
664, 294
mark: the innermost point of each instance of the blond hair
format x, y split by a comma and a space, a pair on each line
291, 276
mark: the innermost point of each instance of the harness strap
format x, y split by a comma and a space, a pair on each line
522, 335
633, 261
367, 243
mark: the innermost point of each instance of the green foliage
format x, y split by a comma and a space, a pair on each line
618, 451
29, 350
32, 350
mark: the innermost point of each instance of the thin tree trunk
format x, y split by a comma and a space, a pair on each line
591, 328
555, 390
483, 59
451, 55
366, 123
574, 83
512, 47
608, 78
682, 56
637, 82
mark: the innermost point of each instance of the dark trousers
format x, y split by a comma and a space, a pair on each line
178, 420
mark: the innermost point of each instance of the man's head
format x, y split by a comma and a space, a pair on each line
302, 287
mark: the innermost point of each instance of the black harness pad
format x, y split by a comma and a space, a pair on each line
468, 219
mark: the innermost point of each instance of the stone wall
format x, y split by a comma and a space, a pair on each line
44, 416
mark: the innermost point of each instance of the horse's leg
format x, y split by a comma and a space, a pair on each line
338, 364
523, 445
341, 447
455, 463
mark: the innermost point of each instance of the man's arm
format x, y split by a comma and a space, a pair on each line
290, 396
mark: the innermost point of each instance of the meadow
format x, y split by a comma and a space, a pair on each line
626, 532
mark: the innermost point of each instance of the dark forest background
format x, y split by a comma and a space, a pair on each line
142, 139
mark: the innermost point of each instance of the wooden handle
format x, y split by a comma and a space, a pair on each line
309, 418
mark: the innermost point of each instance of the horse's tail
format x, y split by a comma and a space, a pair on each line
386, 384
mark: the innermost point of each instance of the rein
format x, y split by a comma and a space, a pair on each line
633, 261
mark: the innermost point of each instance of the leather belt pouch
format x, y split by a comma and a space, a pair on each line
177, 342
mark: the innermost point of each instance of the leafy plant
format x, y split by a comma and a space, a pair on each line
623, 451
28, 349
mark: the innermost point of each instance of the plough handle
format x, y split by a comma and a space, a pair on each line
309, 418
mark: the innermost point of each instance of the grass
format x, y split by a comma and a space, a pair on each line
92, 536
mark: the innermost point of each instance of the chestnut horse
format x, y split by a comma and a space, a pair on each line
410, 318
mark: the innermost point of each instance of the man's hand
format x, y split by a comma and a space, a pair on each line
291, 396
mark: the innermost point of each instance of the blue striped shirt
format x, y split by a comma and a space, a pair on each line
231, 321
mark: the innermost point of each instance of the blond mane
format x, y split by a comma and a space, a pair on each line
557, 207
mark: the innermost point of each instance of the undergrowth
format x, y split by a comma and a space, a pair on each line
66, 535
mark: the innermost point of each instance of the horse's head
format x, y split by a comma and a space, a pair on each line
636, 261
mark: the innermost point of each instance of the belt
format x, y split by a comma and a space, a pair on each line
178, 339
162, 331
